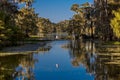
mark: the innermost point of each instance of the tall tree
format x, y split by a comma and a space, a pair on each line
79, 19
27, 20
103, 14
8, 10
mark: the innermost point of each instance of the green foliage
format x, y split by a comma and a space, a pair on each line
75, 7
45, 25
16, 24
27, 21
78, 22
115, 23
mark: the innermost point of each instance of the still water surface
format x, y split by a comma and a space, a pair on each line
66, 60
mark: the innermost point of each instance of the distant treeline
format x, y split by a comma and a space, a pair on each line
100, 20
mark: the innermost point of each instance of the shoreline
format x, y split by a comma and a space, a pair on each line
22, 49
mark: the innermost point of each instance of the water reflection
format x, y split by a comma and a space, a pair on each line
24, 70
18, 67
89, 61
102, 66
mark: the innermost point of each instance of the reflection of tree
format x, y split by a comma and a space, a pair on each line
77, 50
25, 68
90, 57
9, 64
104, 66
108, 62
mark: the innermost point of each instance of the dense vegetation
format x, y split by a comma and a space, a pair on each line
98, 20
19, 22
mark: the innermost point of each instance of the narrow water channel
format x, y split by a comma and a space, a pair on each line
66, 60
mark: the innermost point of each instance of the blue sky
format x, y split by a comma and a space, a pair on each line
56, 10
